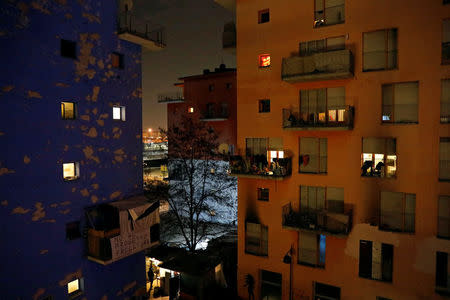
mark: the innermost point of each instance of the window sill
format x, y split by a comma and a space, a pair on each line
443, 237
264, 200
380, 177
310, 265
399, 123
380, 280
255, 254
76, 294
71, 178
313, 173
263, 68
444, 179
326, 25
377, 70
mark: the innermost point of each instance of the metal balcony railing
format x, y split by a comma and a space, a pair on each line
214, 115
325, 221
337, 64
128, 23
176, 97
257, 166
339, 118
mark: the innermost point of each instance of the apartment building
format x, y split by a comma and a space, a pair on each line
74, 222
343, 135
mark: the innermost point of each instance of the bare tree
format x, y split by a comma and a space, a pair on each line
202, 197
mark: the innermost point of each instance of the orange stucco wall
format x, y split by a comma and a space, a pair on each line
419, 25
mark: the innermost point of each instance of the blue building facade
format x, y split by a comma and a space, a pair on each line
70, 135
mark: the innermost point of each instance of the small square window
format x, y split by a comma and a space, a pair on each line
263, 16
68, 110
263, 194
119, 113
264, 106
211, 87
73, 230
264, 60
71, 170
75, 288
68, 49
229, 85
117, 60
190, 110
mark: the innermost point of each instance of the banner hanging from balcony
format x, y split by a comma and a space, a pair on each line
129, 243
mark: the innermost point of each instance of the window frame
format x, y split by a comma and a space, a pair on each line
393, 121
260, 61
447, 162
122, 110
447, 44
75, 110
403, 214
447, 217
384, 158
263, 194
386, 61
442, 266
121, 60
338, 112
382, 272
323, 22
64, 52
318, 156
263, 104
80, 289
263, 249
323, 50
260, 16
326, 200
76, 171
73, 231
441, 116
318, 263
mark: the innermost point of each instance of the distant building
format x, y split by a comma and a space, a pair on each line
74, 223
344, 138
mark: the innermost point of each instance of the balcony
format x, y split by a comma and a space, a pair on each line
171, 98
320, 222
139, 32
122, 228
213, 116
257, 167
332, 119
397, 221
329, 65
229, 37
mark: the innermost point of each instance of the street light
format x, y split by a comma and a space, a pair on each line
287, 259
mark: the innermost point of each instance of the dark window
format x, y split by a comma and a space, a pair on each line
264, 106
325, 291
444, 217
375, 260
117, 60
446, 42
383, 298
263, 16
229, 85
154, 233
211, 87
329, 12
270, 285
73, 230
400, 102
380, 50
444, 158
68, 49
311, 249
442, 275
256, 239
313, 155
445, 101
446, 1
263, 194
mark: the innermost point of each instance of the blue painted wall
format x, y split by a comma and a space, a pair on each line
35, 201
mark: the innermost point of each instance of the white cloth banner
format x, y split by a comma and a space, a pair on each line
129, 243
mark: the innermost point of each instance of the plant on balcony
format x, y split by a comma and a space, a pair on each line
258, 165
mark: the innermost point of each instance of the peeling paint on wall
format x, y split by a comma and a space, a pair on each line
100, 122
95, 186
60, 84
94, 199
19, 210
7, 88
39, 213
4, 171
85, 118
93, 175
26, 160
92, 133
39, 292
89, 154
43, 251
115, 195
38, 5
91, 18
49, 221
32, 94
84, 192
65, 212
4, 203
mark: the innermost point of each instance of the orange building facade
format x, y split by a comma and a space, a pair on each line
343, 135
210, 96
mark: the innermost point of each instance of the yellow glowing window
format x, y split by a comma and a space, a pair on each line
190, 110
119, 113
264, 60
67, 110
73, 286
70, 171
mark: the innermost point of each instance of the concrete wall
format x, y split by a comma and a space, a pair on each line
419, 26
36, 203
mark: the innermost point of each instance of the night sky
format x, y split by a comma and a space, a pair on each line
193, 31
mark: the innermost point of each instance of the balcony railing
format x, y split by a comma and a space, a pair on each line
257, 167
120, 229
214, 116
171, 98
332, 119
329, 65
319, 221
137, 31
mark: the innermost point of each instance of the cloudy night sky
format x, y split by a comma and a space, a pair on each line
193, 32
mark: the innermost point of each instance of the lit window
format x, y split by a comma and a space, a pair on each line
68, 110
73, 286
264, 60
117, 60
71, 171
190, 110
119, 113
263, 16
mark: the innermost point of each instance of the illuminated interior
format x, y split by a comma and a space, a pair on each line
390, 164
67, 110
274, 154
69, 170
190, 110
116, 113
264, 60
73, 286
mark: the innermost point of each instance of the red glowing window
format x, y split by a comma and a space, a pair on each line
264, 60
